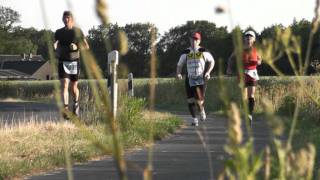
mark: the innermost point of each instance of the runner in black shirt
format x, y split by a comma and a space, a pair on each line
68, 41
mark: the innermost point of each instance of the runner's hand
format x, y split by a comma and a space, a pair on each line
73, 46
207, 76
179, 76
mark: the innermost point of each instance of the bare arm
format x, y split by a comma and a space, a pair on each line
86, 45
180, 64
55, 45
179, 70
259, 60
211, 65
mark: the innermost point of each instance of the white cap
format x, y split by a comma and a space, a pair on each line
250, 33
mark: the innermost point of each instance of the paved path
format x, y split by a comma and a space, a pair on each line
181, 156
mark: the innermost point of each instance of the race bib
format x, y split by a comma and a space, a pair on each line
196, 80
70, 67
252, 73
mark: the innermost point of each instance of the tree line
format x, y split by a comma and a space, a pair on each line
102, 39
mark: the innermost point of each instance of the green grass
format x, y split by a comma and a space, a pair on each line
36, 147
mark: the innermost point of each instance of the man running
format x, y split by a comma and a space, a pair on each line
250, 60
196, 58
68, 41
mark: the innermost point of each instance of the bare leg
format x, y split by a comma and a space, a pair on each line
245, 93
250, 94
200, 103
192, 107
75, 92
65, 92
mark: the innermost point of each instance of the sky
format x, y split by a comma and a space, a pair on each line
165, 14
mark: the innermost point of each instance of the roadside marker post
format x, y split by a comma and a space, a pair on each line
130, 85
113, 61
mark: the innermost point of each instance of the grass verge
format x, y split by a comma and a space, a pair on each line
33, 147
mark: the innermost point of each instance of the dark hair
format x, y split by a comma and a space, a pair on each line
67, 13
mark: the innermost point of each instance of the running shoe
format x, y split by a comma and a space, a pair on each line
76, 109
195, 122
65, 112
203, 115
250, 119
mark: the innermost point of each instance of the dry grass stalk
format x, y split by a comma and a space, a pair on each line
234, 129
123, 43
267, 165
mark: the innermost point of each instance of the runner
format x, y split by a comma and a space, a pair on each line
196, 58
68, 41
251, 59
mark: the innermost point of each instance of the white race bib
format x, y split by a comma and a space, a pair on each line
252, 73
195, 81
70, 67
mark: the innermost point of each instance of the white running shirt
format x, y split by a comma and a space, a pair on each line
195, 62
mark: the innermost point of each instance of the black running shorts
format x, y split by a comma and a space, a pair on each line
62, 74
197, 92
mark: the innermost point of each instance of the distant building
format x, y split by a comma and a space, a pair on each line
24, 67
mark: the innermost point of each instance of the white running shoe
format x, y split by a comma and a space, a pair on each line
195, 122
76, 109
203, 115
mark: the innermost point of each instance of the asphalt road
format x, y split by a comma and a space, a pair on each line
12, 113
182, 156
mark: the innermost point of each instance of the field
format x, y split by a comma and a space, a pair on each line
276, 103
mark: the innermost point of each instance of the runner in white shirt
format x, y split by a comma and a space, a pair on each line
199, 66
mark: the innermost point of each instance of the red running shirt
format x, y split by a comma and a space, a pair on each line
250, 59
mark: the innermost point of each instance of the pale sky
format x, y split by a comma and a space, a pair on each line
165, 14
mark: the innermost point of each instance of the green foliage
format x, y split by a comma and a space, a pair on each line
244, 165
41, 146
288, 105
8, 17
106, 38
130, 112
103, 39
27, 90
176, 40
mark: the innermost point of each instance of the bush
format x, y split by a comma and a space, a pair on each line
287, 105
130, 112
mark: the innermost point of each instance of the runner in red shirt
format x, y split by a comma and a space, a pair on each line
251, 59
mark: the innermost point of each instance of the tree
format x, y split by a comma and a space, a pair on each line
139, 43
102, 40
215, 39
301, 29
8, 17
